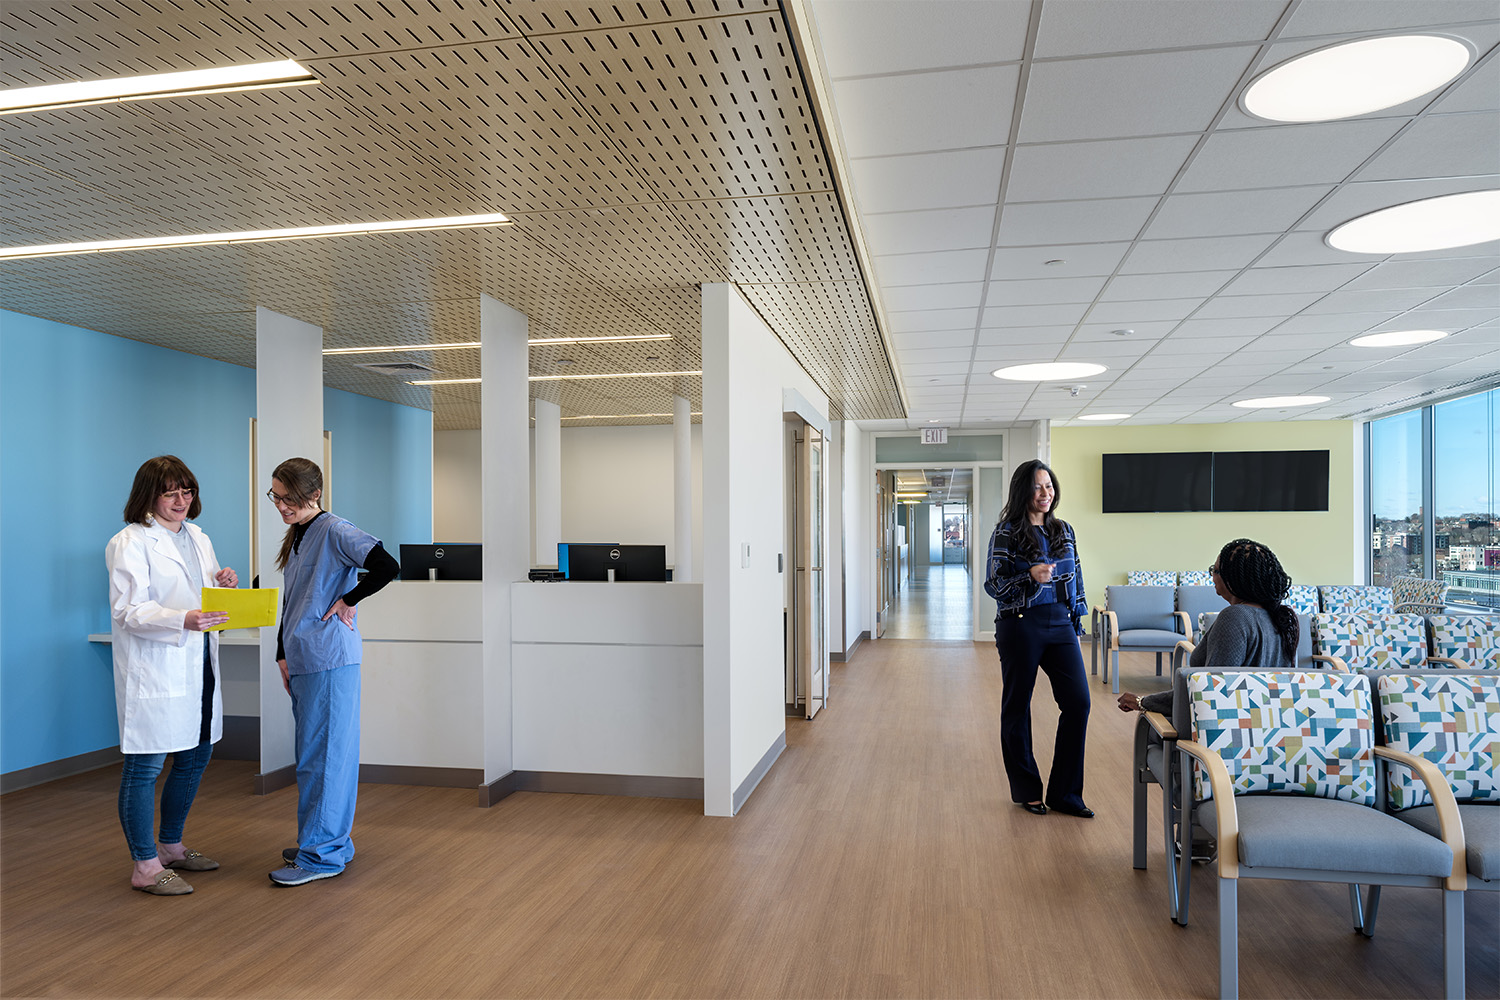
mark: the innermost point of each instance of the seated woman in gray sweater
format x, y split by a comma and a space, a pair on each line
1257, 629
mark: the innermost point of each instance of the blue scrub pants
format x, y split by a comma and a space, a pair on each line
325, 708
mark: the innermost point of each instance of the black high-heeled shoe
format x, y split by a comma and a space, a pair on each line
1035, 808
1082, 812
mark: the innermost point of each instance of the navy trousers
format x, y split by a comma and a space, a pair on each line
1042, 637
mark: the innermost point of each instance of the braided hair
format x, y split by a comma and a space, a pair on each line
1254, 575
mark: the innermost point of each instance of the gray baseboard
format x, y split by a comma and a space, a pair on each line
846, 654
27, 777
641, 786
761, 769
275, 780
496, 790
431, 777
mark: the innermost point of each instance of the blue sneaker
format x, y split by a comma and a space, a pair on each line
292, 875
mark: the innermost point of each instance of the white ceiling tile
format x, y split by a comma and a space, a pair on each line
1044, 291
1306, 249
1422, 273
1331, 17
1247, 326
1352, 324
1188, 284
918, 34
1022, 335
1202, 345
925, 368
1120, 350
1370, 300
929, 232
927, 355
1469, 297
922, 112
1127, 314
1044, 222
932, 319
1475, 92
895, 270
1142, 331
1082, 27
1032, 316
1441, 146
1445, 319
1227, 213
1112, 169
932, 296
1209, 253
1116, 97
1360, 198
1279, 341
1310, 278
928, 180
1277, 156
1238, 306
1078, 259
932, 339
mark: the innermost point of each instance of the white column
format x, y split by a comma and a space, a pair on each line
289, 424
548, 456
721, 556
506, 516
1043, 442
682, 490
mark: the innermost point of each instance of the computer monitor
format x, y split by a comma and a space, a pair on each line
631, 563
442, 561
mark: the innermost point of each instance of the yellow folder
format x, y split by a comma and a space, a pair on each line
247, 608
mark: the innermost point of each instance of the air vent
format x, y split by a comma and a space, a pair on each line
398, 368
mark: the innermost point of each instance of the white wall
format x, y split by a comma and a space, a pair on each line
745, 369
859, 534
455, 487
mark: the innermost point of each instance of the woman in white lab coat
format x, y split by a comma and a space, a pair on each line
166, 666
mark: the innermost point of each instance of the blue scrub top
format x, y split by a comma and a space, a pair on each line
318, 573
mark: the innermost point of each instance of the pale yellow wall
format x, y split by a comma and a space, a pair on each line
1314, 546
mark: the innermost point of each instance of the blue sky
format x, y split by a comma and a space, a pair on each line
1466, 458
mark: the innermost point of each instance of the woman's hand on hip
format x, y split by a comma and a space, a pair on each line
1042, 572
344, 611
201, 621
226, 577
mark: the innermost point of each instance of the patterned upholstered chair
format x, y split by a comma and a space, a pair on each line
1138, 619
1303, 599
1369, 642
1195, 578
1451, 718
1413, 595
1352, 600
1464, 641
1151, 578
1282, 770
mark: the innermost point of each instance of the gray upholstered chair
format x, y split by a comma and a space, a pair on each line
1282, 771
1140, 619
1194, 601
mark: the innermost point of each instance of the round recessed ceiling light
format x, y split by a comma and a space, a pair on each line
1266, 402
1355, 78
1048, 371
1451, 220
1397, 338
1106, 416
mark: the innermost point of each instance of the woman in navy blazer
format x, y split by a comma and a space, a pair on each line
1034, 575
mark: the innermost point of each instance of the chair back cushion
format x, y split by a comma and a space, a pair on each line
1198, 601
1472, 640
1452, 720
1299, 733
1141, 607
1195, 578
1417, 596
1303, 599
1371, 642
1356, 600
1151, 578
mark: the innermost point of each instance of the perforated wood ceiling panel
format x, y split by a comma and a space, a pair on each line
641, 149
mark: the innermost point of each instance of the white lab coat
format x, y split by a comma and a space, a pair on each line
158, 663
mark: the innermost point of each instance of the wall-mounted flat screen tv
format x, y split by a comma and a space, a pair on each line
1270, 480
1158, 482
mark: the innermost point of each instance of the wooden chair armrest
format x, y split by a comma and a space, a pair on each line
1223, 802
1335, 664
1449, 823
1187, 625
1112, 629
1161, 724
1449, 661
1182, 653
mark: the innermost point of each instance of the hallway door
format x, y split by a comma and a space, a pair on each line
810, 604
885, 549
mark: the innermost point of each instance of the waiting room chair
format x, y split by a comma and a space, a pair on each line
1471, 641
1281, 770
1413, 595
1303, 599
1195, 578
1151, 578
1369, 642
1355, 600
1194, 602
1139, 619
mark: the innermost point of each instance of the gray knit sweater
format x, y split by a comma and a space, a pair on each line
1242, 636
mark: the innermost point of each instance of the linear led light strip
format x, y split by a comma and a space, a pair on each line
251, 76
626, 416
255, 236
553, 378
403, 348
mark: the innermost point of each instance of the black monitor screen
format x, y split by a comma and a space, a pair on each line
1270, 480
1157, 482
631, 563
450, 560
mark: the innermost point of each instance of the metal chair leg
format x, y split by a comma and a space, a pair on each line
1229, 939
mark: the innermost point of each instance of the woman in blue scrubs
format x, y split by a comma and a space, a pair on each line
319, 651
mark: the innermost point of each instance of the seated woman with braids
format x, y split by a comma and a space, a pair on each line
1257, 629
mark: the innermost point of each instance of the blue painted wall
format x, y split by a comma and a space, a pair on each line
79, 412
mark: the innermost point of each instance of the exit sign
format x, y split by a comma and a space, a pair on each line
934, 435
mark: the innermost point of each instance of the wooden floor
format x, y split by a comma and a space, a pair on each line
881, 857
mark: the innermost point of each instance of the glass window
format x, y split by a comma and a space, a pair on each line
1396, 497
1466, 457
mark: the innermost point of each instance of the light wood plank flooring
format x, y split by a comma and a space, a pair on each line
881, 857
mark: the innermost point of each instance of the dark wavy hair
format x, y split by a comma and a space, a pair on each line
303, 482
1018, 506
1252, 573
156, 476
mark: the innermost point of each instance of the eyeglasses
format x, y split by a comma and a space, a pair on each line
279, 500
175, 495
1214, 569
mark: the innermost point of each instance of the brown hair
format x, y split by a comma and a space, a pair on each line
156, 476
303, 481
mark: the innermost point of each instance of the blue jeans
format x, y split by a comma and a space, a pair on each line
138, 796
325, 708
